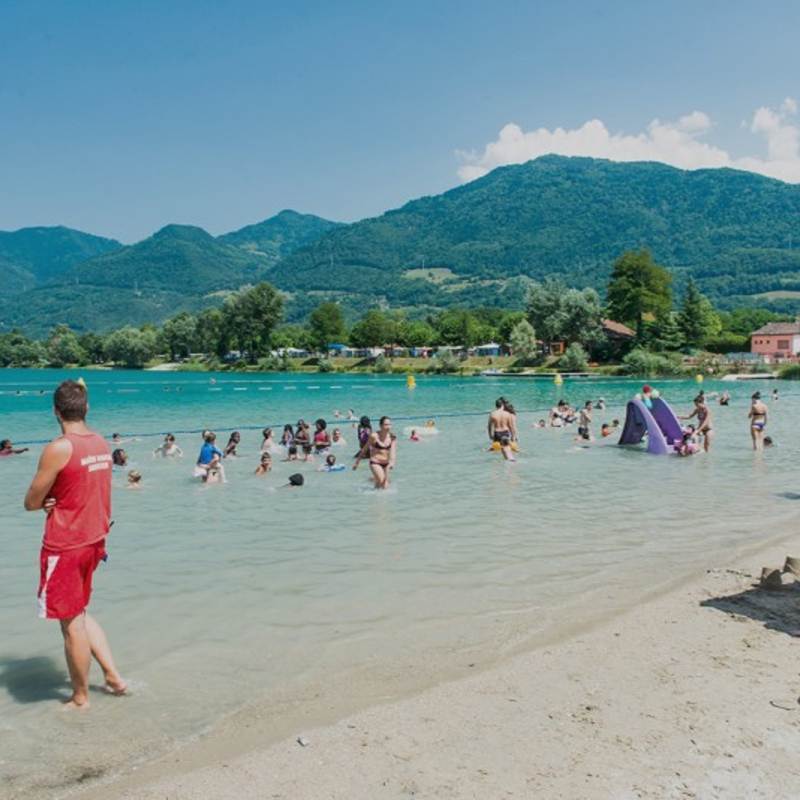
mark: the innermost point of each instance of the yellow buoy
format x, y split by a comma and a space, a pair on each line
698, 378
411, 382
558, 380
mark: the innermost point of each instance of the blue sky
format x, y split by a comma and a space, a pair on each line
117, 118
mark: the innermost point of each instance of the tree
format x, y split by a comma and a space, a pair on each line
697, 319
326, 326
211, 332
523, 340
415, 334
250, 315
459, 328
131, 347
574, 358
177, 336
64, 348
558, 313
638, 288
665, 333
371, 330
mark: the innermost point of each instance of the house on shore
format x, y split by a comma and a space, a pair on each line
776, 341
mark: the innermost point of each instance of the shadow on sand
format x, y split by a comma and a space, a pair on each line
778, 609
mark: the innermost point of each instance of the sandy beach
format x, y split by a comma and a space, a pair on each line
693, 694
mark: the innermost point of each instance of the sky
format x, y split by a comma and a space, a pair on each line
118, 118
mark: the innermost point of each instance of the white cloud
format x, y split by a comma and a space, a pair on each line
676, 143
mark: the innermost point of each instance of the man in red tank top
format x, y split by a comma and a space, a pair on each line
73, 487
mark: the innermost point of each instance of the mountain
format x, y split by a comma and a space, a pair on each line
31, 256
735, 233
179, 268
569, 217
281, 235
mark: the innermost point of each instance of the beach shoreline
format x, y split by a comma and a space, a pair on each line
693, 693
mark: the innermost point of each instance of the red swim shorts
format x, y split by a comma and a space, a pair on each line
65, 582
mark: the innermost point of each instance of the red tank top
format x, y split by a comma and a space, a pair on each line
83, 495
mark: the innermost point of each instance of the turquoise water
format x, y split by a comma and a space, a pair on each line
219, 598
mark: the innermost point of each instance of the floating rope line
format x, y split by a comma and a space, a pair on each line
334, 423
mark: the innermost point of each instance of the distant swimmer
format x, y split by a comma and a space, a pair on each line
267, 442
502, 423
7, 448
330, 465
758, 421
168, 447
382, 448
116, 438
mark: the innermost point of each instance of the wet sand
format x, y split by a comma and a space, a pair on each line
693, 694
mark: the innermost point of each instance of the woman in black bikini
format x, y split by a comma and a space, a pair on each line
382, 448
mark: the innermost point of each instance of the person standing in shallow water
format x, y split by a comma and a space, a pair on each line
703, 414
73, 487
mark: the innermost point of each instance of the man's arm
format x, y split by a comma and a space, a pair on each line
54, 458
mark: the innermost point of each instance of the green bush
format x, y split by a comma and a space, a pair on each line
270, 364
382, 364
790, 373
575, 359
645, 364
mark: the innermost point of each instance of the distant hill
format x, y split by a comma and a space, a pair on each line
281, 235
31, 256
179, 268
736, 233
569, 217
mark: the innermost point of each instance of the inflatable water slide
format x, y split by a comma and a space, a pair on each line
656, 420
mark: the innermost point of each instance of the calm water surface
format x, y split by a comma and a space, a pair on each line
216, 597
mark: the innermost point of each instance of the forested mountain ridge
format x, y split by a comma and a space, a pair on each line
31, 256
734, 232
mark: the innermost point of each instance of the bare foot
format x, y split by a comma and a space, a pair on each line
117, 687
73, 705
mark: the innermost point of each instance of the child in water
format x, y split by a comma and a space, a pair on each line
414, 436
265, 465
330, 465
8, 449
134, 479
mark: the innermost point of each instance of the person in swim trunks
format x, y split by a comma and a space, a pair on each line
502, 423
72, 486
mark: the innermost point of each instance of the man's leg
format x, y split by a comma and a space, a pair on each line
102, 653
78, 652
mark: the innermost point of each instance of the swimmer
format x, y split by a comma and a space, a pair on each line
287, 437
774, 395
322, 439
584, 423
209, 462
330, 465
291, 453
382, 448
601, 403
233, 442
267, 443
8, 449
703, 414
414, 436
168, 447
502, 422
689, 445
134, 479
606, 430
540, 424
758, 420
724, 399
265, 465
295, 481
337, 439
120, 458
768, 442
430, 424
117, 439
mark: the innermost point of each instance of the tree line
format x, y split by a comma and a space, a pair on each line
250, 321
